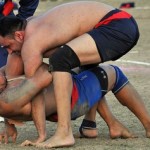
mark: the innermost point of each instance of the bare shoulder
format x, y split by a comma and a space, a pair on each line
82, 4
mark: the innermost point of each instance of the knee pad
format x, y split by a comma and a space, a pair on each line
101, 75
64, 59
121, 80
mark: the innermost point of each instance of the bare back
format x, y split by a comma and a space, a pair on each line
69, 20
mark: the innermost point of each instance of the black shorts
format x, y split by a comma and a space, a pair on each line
115, 35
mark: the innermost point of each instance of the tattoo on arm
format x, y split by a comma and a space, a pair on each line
21, 94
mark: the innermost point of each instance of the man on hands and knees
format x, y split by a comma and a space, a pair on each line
24, 111
78, 104
99, 81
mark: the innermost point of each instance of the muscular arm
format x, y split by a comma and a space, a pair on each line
31, 55
21, 94
14, 66
39, 116
2, 70
37, 44
15, 98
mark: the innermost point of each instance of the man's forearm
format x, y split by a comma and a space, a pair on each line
18, 94
21, 94
39, 117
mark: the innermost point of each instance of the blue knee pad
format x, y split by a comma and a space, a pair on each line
121, 80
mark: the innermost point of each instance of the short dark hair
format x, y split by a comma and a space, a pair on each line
10, 24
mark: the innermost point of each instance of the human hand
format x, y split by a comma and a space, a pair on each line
3, 133
7, 130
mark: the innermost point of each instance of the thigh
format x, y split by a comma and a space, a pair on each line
85, 48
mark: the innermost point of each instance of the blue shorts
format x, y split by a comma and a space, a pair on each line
121, 80
88, 88
115, 35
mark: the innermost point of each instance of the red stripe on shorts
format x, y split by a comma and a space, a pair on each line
75, 96
117, 16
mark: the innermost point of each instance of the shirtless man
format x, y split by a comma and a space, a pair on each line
79, 104
80, 33
99, 81
25, 112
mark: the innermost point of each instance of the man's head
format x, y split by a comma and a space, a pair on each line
12, 33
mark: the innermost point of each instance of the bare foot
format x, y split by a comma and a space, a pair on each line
117, 130
87, 133
33, 143
57, 141
7, 130
27, 143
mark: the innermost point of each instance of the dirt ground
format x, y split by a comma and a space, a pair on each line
136, 65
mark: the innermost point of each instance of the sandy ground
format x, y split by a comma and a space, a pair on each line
136, 65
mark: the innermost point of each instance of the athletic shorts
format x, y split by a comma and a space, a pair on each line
115, 35
121, 80
88, 89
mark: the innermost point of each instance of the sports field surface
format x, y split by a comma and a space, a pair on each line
136, 65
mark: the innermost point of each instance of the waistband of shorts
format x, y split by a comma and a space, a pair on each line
102, 78
114, 11
115, 14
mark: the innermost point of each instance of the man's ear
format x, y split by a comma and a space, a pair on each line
19, 36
